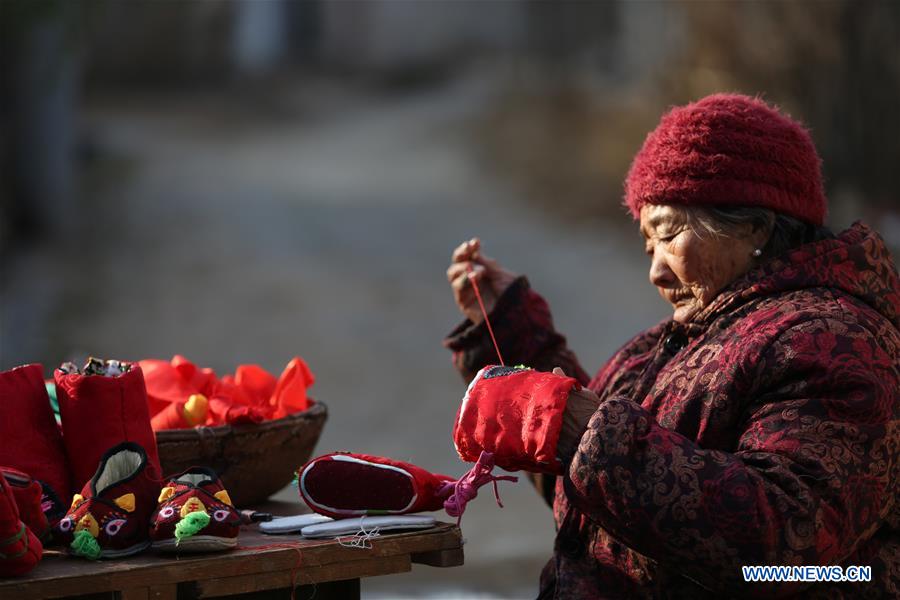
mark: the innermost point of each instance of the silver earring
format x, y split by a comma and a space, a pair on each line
757, 253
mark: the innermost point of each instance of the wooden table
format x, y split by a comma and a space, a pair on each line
263, 566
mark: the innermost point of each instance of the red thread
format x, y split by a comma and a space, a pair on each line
471, 277
294, 569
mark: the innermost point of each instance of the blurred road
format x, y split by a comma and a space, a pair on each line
321, 224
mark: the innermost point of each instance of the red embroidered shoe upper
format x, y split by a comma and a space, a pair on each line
197, 490
114, 507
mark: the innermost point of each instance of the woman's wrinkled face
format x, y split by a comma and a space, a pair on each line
689, 270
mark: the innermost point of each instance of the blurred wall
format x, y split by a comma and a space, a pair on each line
40, 83
387, 34
145, 43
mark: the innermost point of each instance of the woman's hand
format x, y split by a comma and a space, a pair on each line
492, 279
580, 406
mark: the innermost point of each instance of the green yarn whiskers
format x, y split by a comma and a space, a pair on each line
190, 524
85, 545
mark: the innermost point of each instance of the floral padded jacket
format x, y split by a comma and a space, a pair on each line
764, 432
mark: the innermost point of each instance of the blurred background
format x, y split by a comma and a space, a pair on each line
245, 181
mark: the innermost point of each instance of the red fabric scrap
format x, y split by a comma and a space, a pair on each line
250, 395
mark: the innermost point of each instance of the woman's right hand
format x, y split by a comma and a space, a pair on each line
492, 279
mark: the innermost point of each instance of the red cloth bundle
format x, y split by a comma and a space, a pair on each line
28, 494
20, 549
31, 441
251, 395
99, 412
516, 413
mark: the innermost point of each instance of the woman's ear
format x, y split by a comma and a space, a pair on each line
762, 231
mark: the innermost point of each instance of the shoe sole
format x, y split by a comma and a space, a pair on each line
125, 551
196, 543
374, 488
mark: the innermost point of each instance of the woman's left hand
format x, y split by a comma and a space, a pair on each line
580, 406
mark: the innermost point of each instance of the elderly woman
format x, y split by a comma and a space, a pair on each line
758, 425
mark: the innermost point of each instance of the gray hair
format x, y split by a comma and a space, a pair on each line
786, 232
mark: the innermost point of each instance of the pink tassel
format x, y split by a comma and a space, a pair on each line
465, 489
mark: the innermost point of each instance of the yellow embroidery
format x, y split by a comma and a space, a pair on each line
89, 523
192, 505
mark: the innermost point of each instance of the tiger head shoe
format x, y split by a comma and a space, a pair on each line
109, 518
195, 514
345, 484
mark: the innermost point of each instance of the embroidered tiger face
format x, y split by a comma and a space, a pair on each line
177, 502
194, 508
109, 522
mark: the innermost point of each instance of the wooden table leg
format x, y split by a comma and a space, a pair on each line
440, 558
347, 589
333, 590
154, 592
163, 592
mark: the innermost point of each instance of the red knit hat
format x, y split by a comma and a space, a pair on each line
729, 150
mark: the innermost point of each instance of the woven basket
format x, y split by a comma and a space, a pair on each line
254, 461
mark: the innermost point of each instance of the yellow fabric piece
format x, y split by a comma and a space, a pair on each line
76, 499
166, 493
223, 496
126, 502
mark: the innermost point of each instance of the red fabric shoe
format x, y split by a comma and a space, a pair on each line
109, 519
195, 514
20, 549
31, 441
98, 412
29, 497
516, 414
342, 485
